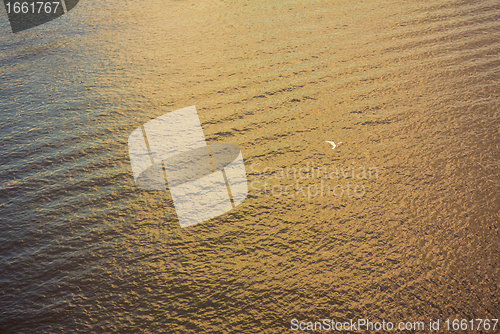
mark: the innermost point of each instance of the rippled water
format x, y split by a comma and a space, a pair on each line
410, 88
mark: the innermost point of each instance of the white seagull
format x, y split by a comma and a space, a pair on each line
333, 144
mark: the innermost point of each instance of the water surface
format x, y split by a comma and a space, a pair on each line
410, 88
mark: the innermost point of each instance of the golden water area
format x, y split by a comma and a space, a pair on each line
399, 223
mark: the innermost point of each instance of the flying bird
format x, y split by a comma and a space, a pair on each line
333, 144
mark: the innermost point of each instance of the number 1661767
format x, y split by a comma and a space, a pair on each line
39, 7
473, 324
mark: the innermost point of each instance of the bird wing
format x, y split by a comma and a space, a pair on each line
331, 143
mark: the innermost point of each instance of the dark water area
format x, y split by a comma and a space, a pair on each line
398, 223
